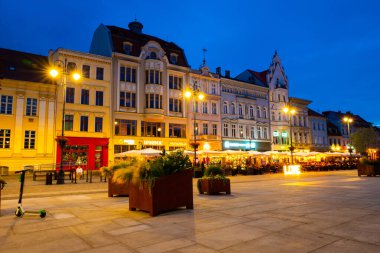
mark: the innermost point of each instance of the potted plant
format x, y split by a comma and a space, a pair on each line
162, 184
214, 181
119, 177
368, 167
2, 184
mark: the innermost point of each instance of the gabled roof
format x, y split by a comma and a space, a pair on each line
23, 66
315, 114
120, 35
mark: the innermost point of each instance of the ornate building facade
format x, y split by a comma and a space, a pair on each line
149, 76
245, 114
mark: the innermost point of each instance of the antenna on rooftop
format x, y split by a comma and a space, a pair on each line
204, 57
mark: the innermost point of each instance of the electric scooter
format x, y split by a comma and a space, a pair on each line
20, 211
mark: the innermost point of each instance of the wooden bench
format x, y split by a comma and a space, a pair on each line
43, 173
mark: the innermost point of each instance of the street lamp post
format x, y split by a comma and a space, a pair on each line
290, 112
348, 120
196, 93
61, 68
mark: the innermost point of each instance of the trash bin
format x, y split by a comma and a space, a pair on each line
49, 178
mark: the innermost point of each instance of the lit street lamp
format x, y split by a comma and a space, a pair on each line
290, 112
348, 120
61, 68
195, 93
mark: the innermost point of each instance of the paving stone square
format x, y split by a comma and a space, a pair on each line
334, 211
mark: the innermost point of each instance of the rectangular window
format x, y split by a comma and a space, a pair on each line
84, 123
175, 105
99, 73
128, 74
98, 124
31, 107
5, 138
213, 108
6, 104
177, 131
122, 73
205, 128
152, 129
70, 95
258, 132
214, 129
153, 76
30, 139
175, 82
252, 133
153, 101
128, 99
85, 97
69, 122
86, 71
99, 98
205, 109
213, 88
225, 129
71, 66
265, 133
241, 132
233, 130
125, 127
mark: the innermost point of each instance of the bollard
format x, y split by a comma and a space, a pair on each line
49, 178
2, 183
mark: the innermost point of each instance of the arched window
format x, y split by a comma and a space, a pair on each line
233, 109
265, 113
173, 58
225, 107
273, 116
258, 112
127, 47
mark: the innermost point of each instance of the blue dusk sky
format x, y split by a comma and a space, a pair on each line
330, 49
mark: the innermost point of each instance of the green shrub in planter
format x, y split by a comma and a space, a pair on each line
214, 181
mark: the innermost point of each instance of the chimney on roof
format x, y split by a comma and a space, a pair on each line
219, 71
227, 74
135, 26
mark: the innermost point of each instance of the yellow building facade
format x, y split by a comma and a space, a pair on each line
27, 111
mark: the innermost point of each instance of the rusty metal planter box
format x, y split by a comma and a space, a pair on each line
368, 170
115, 188
214, 186
167, 193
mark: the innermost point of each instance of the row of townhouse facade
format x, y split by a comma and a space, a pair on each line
131, 96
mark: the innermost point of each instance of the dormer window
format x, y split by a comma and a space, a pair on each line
127, 47
173, 58
153, 55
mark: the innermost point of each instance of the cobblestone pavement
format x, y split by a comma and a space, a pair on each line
313, 212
